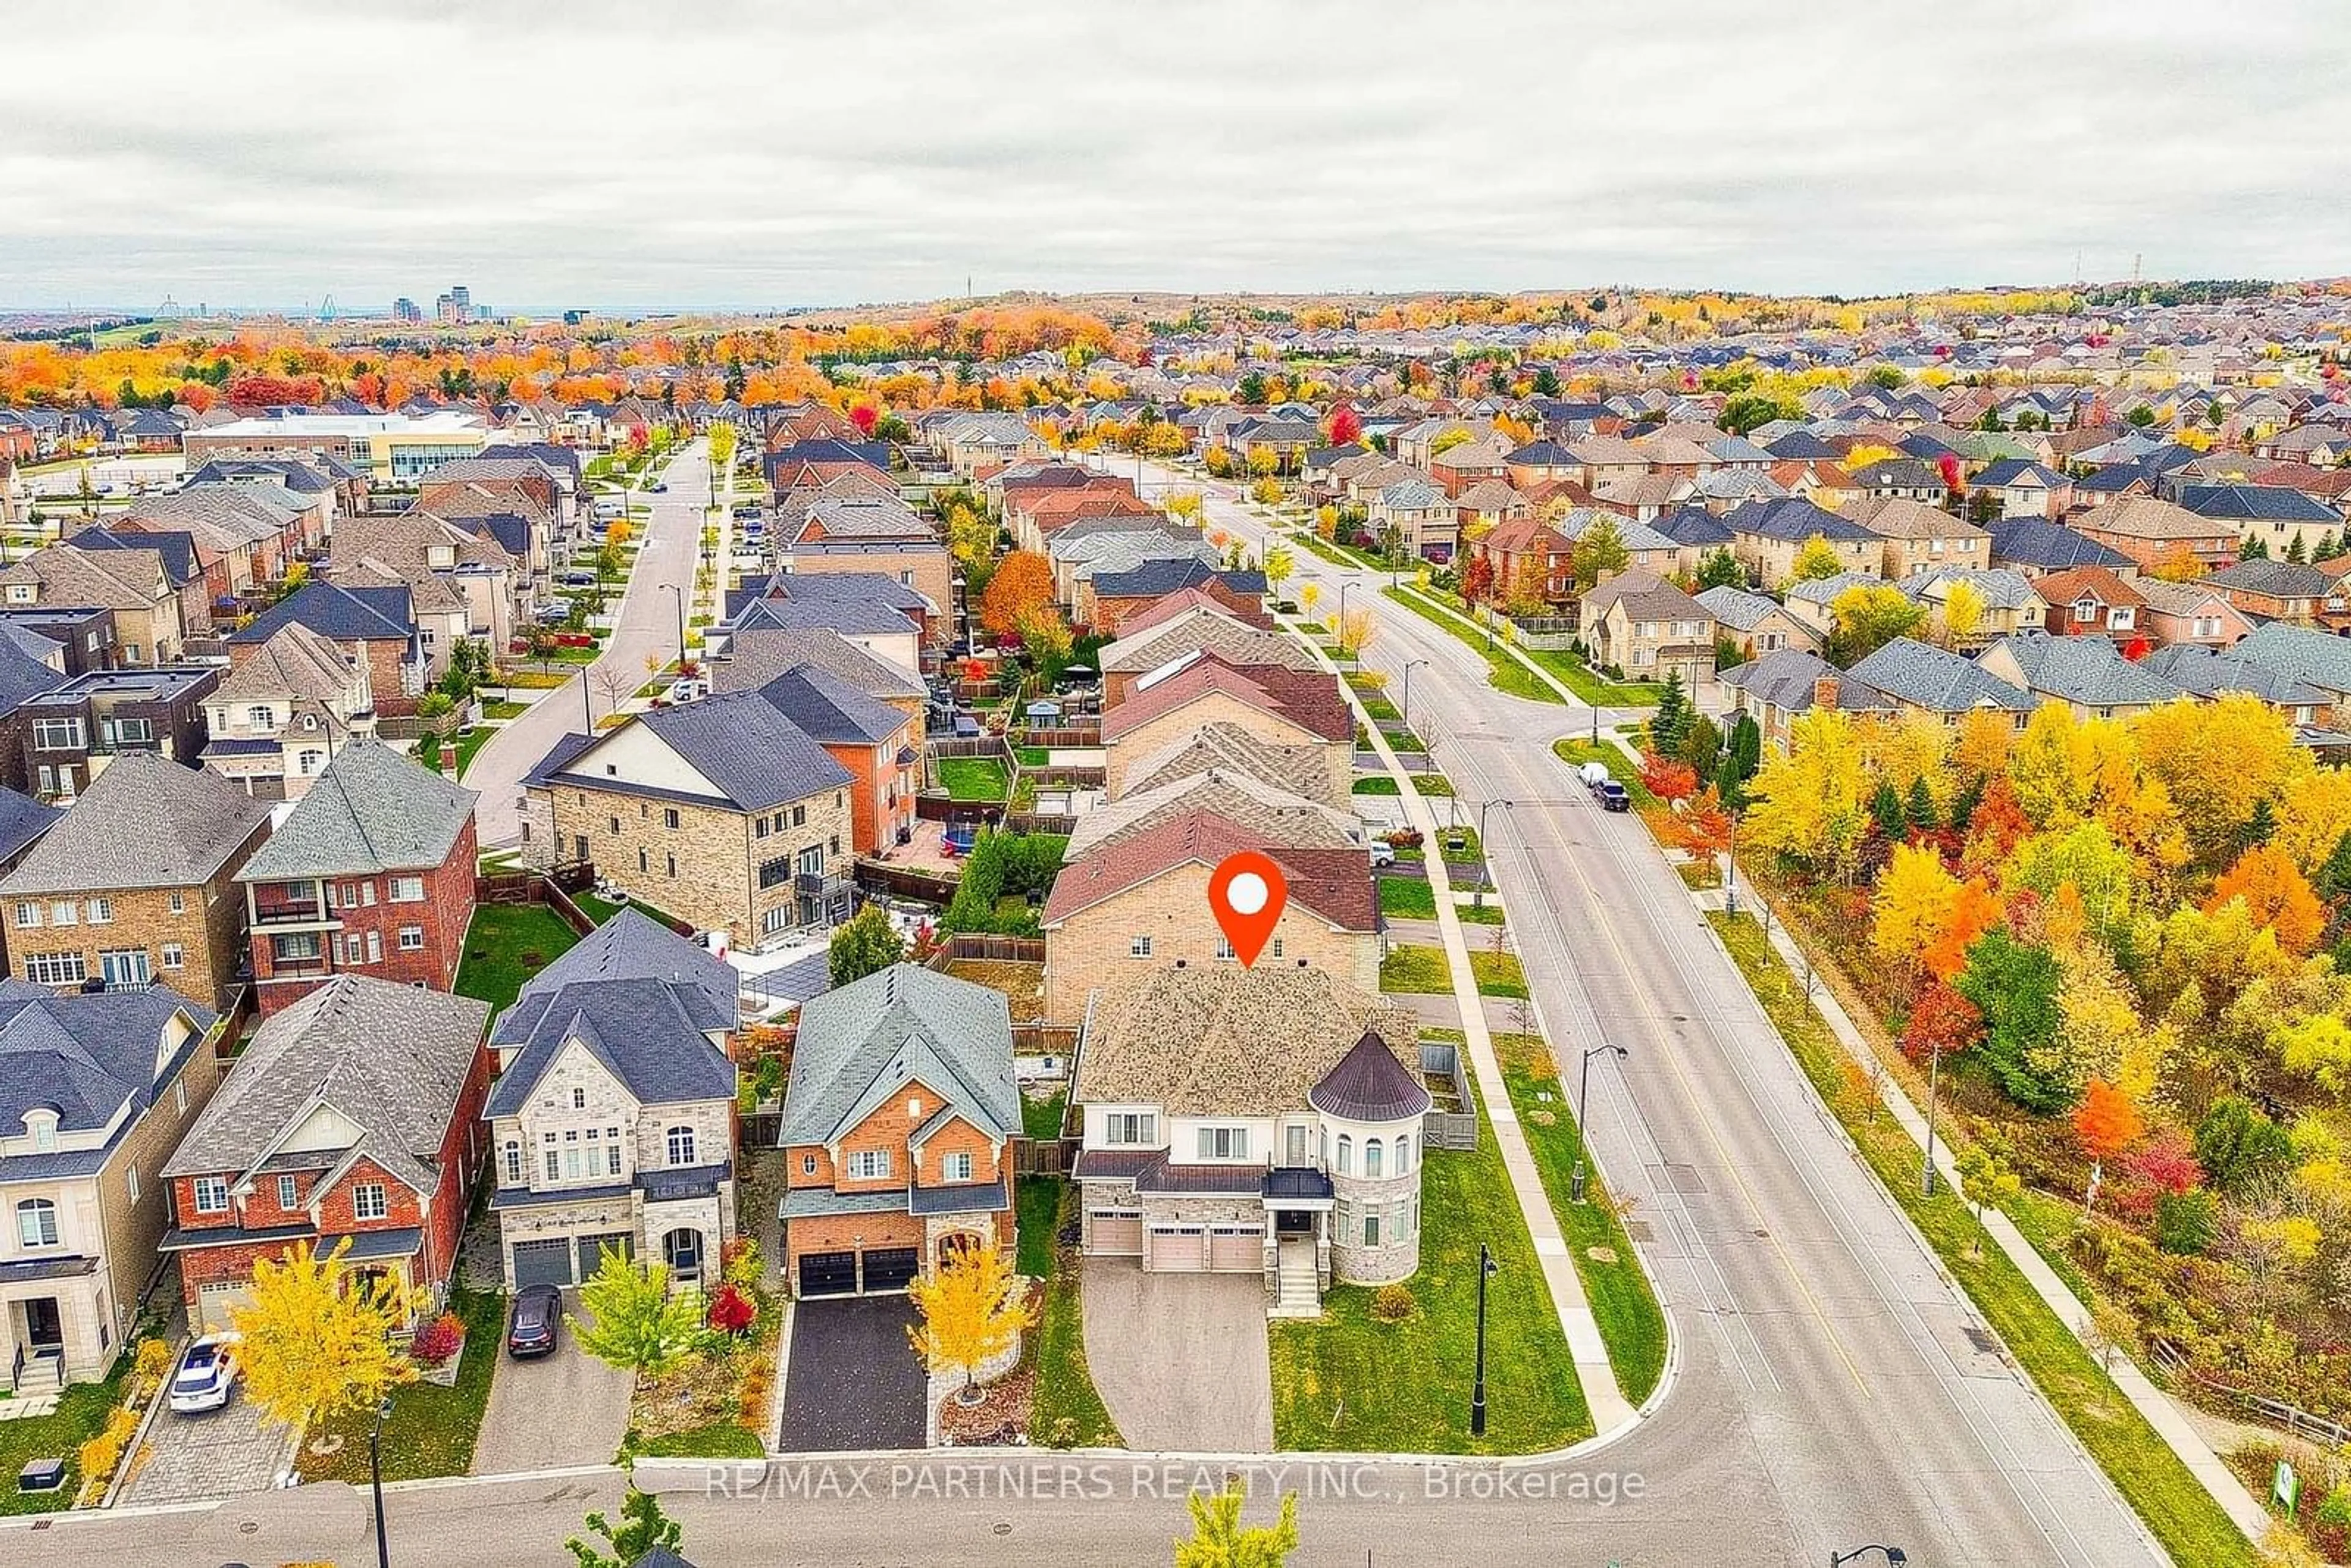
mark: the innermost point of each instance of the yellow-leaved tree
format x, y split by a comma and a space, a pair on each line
1963, 612
973, 1309
1810, 799
2313, 812
1912, 898
2182, 742
1815, 559
1219, 1538
317, 1335
722, 445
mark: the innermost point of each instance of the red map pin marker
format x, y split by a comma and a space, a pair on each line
1246, 893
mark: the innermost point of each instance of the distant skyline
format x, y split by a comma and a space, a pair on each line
255, 154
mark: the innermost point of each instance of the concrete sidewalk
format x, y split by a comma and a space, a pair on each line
2178, 1432
1610, 1408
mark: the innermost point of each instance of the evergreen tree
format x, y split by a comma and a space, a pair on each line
1669, 726
1719, 568
1963, 804
2295, 552
1701, 747
2259, 827
2253, 549
2333, 881
1885, 811
1920, 807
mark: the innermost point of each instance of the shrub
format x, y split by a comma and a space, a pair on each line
437, 1341
1392, 1303
2337, 1508
739, 1260
152, 1366
731, 1311
100, 1454
752, 1394
432, 704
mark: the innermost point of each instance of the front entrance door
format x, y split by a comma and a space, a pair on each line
682, 1251
44, 1328
1293, 1222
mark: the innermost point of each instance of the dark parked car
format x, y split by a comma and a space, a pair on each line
1613, 797
538, 1315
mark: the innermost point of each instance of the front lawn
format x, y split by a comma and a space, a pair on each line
431, 1429
1065, 1410
1375, 784
1412, 969
1622, 1301
504, 710
1350, 1382
81, 1413
1504, 673
1432, 784
505, 945
1410, 898
719, 1441
976, 779
1498, 974
2192, 1526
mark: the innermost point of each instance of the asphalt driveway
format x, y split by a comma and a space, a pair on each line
564, 1408
1180, 1359
853, 1381
218, 1453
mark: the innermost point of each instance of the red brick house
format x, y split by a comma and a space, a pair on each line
353, 1115
371, 624
898, 1128
371, 871
1530, 550
2093, 602
882, 747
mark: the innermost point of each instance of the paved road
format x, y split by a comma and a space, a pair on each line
647, 625
1845, 1372
1180, 1359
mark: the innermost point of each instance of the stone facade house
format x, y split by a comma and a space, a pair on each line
1264, 1122
276, 718
898, 1129
351, 1122
1140, 902
137, 883
722, 813
1648, 629
95, 1093
612, 1118
1920, 538
371, 871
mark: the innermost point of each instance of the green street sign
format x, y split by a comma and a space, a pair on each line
2286, 1491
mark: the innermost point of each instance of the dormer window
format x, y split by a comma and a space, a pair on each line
41, 1126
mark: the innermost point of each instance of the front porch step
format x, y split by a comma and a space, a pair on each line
41, 1377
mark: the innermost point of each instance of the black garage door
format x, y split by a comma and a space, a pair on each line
592, 1251
892, 1268
828, 1273
542, 1262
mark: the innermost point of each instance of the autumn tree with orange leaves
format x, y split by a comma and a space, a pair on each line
2277, 896
2108, 1124
1020, 589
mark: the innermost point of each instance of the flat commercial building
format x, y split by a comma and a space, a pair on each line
389, 448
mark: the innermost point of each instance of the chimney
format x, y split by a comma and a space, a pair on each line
1824, 691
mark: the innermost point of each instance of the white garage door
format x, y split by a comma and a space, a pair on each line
1236, 1248
1118, 1232
1180, 1248
214, 1303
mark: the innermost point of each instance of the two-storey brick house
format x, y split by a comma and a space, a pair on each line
371, 871
722, 813
612, 1120
352, 1121
880, 746
95, 1091
137, 883
898, 1128
1264, 1120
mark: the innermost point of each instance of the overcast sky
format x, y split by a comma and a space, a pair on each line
759, 155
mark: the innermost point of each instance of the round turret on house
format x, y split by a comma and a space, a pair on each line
1371, 1106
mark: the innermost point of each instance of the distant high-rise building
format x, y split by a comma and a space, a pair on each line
406, 310
456, 307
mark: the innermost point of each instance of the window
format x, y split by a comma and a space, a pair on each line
869, 1164
612, 1159
407, 890
287, 1193
375, 947
644, 860
174, 955
295, 946
124, 967
680, 1144
28, 913
179, 1097
212, 1194
131, 1181
64, 912
44, 1128
56, 735
1275, 949
1129, 1127
179, 902
808, 1164
261, 716
1371, 1230
411, 938
1346, 1154
956, 1167
669, 816
1138, 947
56, 968
1225, 948
673, 864
579, 1099
615, 825
1403, 1155
368, 1201
514, 1163
800, 816
100, 912
554, 1166
36, 1223
1223, 1143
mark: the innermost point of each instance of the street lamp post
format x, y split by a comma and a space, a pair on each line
1583, 1116
1485, 855
678, 595
1730, 876
375, 1481
1407, 689
1344, 589
1486, 1267
1934, 1086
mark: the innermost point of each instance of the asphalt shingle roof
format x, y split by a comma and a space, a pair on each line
145, 822
750, 753
344, 614
392, 1060
85, 1056
1936, 680
372, 810
2090, 671
861, 1043
831, 710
